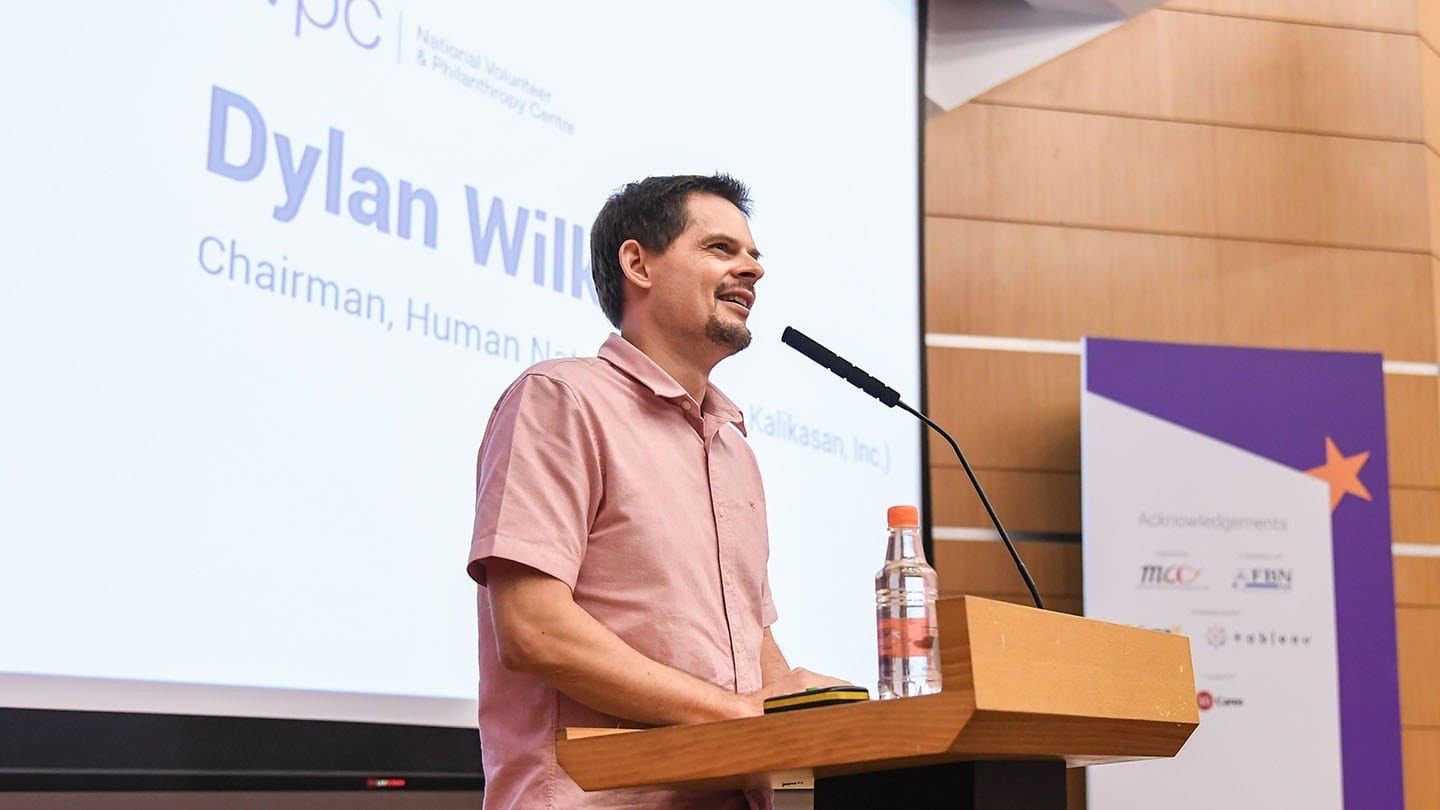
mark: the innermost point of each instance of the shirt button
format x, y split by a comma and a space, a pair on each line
685, 406
729, 580
739, 648
722, 511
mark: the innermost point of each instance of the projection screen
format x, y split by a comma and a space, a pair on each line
268, 266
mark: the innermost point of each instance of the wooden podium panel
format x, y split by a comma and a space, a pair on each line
1019, 683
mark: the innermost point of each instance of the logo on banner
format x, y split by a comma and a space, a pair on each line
1223, 636
1207, 701
1172, 629
1262, 579
1215, 636
1179, 576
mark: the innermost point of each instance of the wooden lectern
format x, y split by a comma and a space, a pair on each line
1027, 693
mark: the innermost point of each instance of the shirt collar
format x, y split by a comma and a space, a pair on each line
623, 355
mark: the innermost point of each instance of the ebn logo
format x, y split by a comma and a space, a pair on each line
360, 19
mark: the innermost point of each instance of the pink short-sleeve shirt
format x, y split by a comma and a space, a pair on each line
605, 474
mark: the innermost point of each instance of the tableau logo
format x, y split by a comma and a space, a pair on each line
1182, 575
1223, 636
1262, 579
359, 20
1215, 636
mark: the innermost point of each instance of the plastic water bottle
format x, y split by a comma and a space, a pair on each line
905, 621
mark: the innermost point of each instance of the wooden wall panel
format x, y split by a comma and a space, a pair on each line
1385, 15
1422, 767
1417, 581
1415, 515
1301, 297
1026, 501
1274, 75
1428, 21
1432, 182
1007, 410
987, 161
1417, 632
1041, 281
1430, 94
984, 566
1435, 298
1412, 413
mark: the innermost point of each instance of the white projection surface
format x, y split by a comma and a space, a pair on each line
268, 265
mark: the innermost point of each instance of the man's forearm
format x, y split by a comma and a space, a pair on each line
773, 665
545, 634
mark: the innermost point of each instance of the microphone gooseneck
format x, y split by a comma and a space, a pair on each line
857, 377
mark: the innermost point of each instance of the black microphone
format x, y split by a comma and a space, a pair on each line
857, 377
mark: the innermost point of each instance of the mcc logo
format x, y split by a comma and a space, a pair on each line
1179, 575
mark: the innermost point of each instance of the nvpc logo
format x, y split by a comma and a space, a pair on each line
1182, 575
359, 19
1262, 579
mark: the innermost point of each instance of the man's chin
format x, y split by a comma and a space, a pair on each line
734, 336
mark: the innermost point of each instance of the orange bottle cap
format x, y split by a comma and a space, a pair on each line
903, 517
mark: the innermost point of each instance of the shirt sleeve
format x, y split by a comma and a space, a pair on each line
538, 481
768, 614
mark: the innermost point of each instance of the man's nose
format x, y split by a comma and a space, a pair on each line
751, 269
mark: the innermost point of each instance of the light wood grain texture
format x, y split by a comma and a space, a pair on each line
1274, 75
1415, 515
1019, 682
1428, 21
1025, 501
1417, 581
1299, 297
1011, 410
1422, 767
1435, 297
1432, 180
1430, 94
1056, 283
1038, 281
987, 161
1387, 15
1412, 413
984, 567
1417, 632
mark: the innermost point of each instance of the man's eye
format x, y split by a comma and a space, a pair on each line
720, 246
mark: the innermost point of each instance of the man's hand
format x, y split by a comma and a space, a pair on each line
796, 680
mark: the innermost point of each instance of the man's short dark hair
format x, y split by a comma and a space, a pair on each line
652, 212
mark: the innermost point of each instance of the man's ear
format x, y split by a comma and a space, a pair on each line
633, 263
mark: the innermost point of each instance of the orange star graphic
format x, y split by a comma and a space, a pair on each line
1342, 473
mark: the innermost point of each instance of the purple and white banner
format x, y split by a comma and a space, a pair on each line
1240, 497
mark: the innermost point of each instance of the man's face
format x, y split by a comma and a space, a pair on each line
705, 280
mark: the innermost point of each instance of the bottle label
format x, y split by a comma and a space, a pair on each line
909, 637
